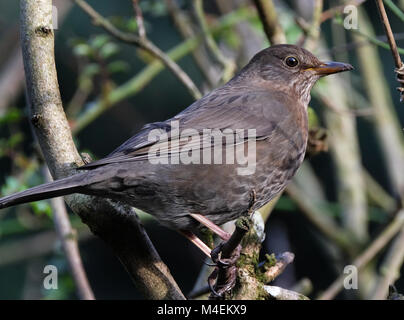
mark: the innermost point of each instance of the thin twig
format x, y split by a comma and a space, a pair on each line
366, 256
143, 43
279, 293
68, 237
393, 47
372, 39
139, 19
228, 64
396, 10
390, 269
331, 104
377, 194
282, 261
314, 30
330, 13
269, 19
183, 23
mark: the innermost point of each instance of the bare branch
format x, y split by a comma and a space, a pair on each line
139, 19
269, 18
282, 261
202, 59
314, 29
117, 225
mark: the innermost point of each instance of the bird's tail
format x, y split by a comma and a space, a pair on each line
48, 190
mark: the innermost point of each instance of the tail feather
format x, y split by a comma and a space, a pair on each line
48, 190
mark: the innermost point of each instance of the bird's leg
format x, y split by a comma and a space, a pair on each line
226, 254
196, 241
253, 200
211, 226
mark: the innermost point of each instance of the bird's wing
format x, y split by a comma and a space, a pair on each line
222, 109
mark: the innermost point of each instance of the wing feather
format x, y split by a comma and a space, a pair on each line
221, 109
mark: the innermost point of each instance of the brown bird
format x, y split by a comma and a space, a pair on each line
196, 162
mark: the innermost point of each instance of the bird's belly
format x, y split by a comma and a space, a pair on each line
220, 192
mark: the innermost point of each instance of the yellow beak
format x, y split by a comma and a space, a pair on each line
327, 68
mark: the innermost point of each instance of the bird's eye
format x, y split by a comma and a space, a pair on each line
291, 62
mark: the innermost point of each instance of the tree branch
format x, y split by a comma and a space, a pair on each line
116, 224
183, 24
269, 18
139, 19
282, 261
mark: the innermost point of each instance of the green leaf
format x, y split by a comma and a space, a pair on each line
83, 50
108, 50
99, 41
42, 207
11, 116
313, 118
131, 25
118, 66
91, 70
286, 204
12, 185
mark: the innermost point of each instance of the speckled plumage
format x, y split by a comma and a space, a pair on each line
266, 95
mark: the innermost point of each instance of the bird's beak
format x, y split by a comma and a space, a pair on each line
327, 68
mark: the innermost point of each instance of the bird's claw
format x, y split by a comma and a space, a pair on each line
400, 74
228, 266
219, 290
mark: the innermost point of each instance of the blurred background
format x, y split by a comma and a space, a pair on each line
348, 192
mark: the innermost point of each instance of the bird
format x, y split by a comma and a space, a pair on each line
177, 171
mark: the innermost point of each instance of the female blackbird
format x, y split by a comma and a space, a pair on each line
229, 152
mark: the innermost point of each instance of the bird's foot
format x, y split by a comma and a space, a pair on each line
400, 74
223, 278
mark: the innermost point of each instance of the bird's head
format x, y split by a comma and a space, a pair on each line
291, 68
